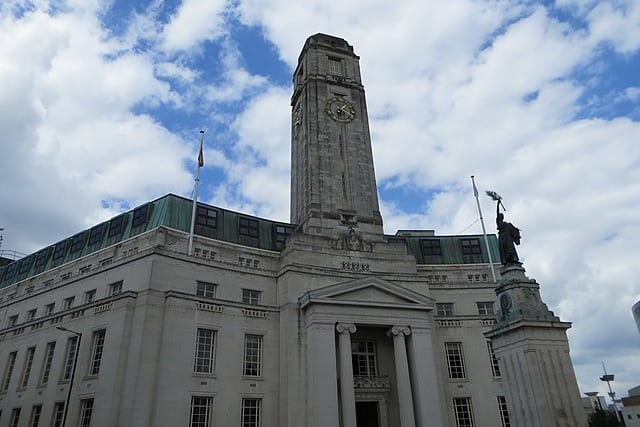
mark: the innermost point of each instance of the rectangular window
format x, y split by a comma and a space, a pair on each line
205, 351
116, 226
140, 216
444, 309
12, 321
36, 412
31, 314
46, 364
248, 227
96, 234
335, 66
25, 264
86, 409
10, 271
77, 242
200, 414
48, 309
115, 288
59, 250
504, 412
58, 413
42, 257
485, 308
431, 247
251, 412
463, 410
363, 358
251, 296
206, 217
252, 355
70, 357
26, 369
96, 352
8, 370
495, 368
455, 360
470, 246
205, 289
15, 417
89, 296
282, 233
68, 302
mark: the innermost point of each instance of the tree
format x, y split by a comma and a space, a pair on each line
602, 418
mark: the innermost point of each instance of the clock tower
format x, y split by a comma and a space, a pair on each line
333, 186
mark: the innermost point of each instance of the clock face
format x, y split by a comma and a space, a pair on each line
340, 110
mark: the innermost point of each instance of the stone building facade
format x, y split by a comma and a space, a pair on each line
325, 321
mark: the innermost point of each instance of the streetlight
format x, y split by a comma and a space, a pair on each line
73, 371
608, 378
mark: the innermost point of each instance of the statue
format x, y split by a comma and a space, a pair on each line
508, 234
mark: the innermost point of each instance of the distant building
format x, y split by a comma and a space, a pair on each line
325, 321
636, 314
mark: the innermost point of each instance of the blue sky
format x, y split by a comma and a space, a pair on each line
538, 100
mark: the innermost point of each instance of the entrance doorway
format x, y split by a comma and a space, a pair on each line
367, 414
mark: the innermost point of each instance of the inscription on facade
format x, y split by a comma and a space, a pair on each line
355, 266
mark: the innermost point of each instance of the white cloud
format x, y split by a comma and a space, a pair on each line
194, 22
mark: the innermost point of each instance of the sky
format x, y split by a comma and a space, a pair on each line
101, 104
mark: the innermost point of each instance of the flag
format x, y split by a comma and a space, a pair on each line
200, 156
475, 189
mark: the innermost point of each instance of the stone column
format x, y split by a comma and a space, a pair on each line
403, 380
322, 381
347, 393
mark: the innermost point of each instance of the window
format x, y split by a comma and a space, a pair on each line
252, 355
36, 411
96, 234
251, 412
248, 227
25, 264
48, 309
15, 417
68, 302
8, 370
444, 308
200, 414
470, 246
96, 352
42, 257
205, 289
431, 247
116, 226
206, 217
10, 272
28, 363
115, 288
12, 321
282, 233
205, 351
485, 308
59, 250
31, 314
86, 408
77, 242
335, 66
46, 363
89, 296
140, 216
504, 412
363, 358
58, 413
70, 357
463, 411
455, 360
495, 368
251, 296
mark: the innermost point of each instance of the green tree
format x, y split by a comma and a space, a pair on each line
603, 419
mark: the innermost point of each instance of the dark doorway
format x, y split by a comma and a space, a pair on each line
367, 414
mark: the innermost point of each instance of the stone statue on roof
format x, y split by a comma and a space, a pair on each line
508, 234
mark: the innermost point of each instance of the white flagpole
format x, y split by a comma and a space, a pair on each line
195, 195
484, 231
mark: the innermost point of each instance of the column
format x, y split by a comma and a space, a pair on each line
322, 381
403, 381
347, 393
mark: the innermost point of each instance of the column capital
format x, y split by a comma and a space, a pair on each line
398, 330
346, 328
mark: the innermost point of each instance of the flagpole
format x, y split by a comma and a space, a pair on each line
484, 231
195, 195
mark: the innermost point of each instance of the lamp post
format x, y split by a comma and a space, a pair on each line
73, 371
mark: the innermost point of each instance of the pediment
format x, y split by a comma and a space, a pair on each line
368, 291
